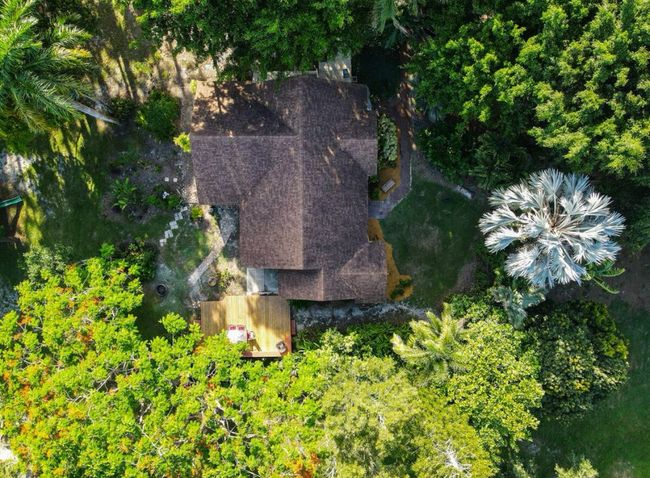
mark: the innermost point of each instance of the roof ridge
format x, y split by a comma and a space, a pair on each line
294, 135
301, 139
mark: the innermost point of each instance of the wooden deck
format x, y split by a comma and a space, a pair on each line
267, 316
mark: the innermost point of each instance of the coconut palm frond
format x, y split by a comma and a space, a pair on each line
561, 226
41, 73
432, 347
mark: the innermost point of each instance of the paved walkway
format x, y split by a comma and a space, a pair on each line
401, 111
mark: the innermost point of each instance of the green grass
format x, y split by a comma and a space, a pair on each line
72, 180
182, 254
614, 435
434, 233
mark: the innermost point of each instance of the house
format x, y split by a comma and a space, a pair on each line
295, 157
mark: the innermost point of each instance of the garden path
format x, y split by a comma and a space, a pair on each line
401, 112
226, 228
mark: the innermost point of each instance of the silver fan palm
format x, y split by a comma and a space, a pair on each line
559, 224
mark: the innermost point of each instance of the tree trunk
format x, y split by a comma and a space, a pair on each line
92, 112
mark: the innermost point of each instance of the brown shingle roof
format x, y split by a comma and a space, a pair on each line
296, 157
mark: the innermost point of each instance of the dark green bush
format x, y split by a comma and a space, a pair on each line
140, 254
373, 187
379, 68
159, 115
124, 160
122, 109
387, 142
370, 338
583, 356
162, 198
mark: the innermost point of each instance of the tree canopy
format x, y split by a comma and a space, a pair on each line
263, 36
522, 83
84, 395
41, 70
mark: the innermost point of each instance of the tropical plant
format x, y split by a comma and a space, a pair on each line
183, 142
432, 348
124, 193
561, 226
515, 302
399, 15
524, 83
378, 424
596, 273
41, 72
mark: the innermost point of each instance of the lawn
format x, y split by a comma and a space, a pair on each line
434, 234
614, 435
70, 184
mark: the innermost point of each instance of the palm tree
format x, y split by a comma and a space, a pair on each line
432, 349
561, 225
41, 73
515, 302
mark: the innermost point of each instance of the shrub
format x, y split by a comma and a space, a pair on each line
400, 288
583, 356
373, 187
137, 253
124, 160
196, 213
122, 109
162, 198
159, 115
124, 193
387, 144
379, 68
369, 339
41, 261
221, 279
183, 142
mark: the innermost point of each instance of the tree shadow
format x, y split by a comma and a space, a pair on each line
120, 41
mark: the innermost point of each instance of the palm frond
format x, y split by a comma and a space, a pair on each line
561, 226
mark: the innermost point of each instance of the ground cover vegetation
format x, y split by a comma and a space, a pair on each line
94, 384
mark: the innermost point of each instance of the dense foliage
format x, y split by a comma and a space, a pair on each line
259, 35
521, 84
379, 425
41, 70
84, 395
582, 356
498, 386
387, 142
159, 115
